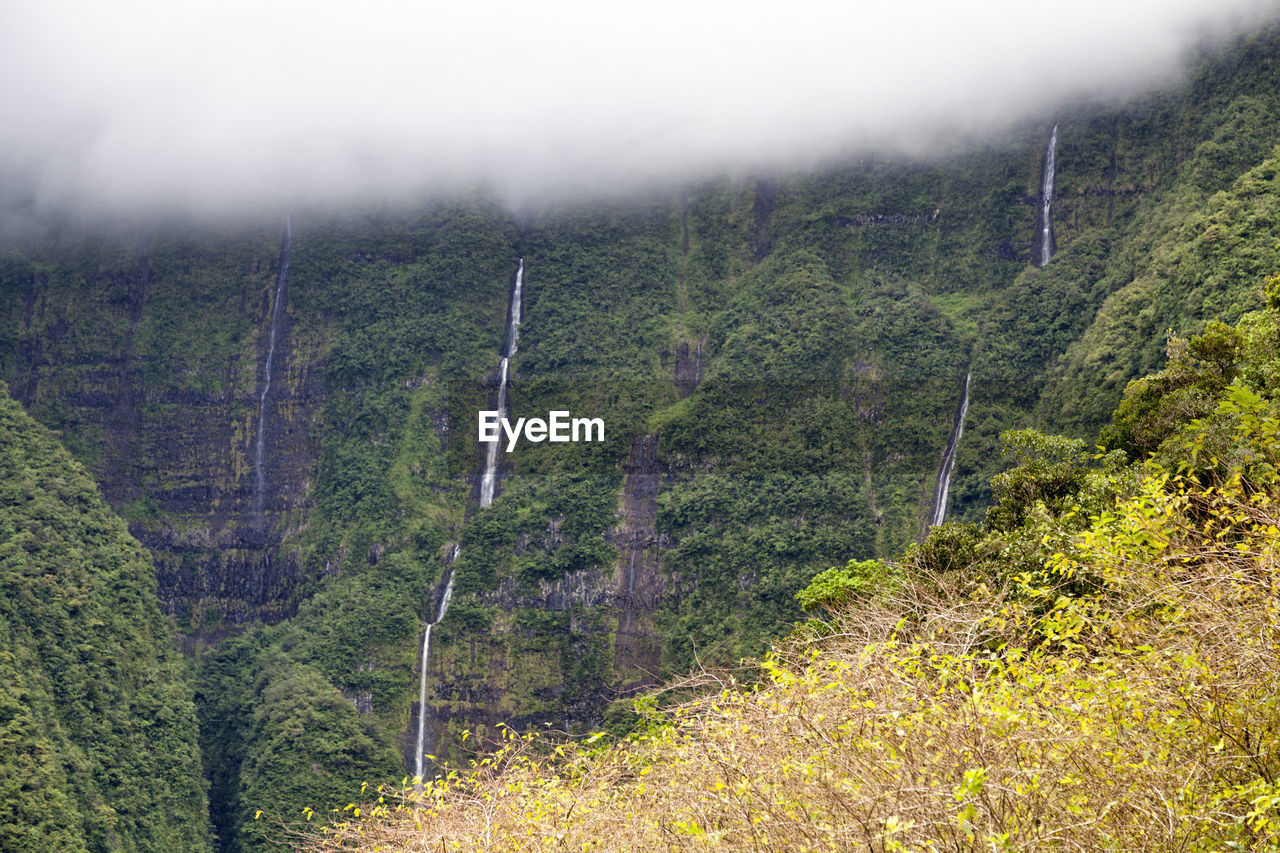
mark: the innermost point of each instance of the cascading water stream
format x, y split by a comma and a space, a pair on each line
514, 312
949, 459
489, 481
426, 656
1046, 199
282, 278
487, 484
422, 702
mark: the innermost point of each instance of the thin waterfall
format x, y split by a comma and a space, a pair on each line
1047, 247
422, 703
487, 484
943, 489
514, 314
490, 478
426, 657
282, 278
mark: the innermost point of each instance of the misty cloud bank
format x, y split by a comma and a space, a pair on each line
214, 103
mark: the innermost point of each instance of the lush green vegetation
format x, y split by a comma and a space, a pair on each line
97, 730
1092, 667
777, 359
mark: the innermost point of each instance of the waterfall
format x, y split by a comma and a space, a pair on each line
1046, 199
426, 656
490, 478
949, 459
422, 703
282, 278
487, 484
513, 314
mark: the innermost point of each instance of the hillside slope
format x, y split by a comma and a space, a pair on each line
284, 409
1094, 667
96, 717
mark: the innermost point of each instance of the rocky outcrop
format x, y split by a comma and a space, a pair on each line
689, 366
640, 585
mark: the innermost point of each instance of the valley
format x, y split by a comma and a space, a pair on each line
795, 368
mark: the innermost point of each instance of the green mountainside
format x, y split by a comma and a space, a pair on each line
96, 719
1093, 667
778, 360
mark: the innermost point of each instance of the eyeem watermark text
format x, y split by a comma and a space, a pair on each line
557, 427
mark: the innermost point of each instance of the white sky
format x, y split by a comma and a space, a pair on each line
216, 102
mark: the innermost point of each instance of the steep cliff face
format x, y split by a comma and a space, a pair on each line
146, 352
227, 557
776, 363
637, 651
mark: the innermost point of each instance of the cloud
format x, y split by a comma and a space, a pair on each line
202, 103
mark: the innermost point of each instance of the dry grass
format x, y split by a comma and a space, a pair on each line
944, 717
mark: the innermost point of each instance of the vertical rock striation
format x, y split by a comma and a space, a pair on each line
640, 586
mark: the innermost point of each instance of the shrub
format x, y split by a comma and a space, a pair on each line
837, 588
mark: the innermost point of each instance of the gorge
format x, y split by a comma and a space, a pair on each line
287, 422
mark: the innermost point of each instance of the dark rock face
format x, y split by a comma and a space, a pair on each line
228, 566
119, 355
689, 366
640, 585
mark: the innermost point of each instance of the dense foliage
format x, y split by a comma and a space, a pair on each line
778, 361
97, 730
1093, 667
